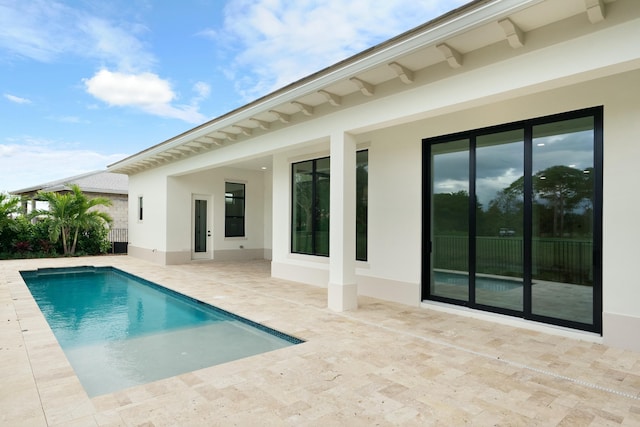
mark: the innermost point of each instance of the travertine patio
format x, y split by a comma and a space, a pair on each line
384, 364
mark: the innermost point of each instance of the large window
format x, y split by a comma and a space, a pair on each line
140, 211
310, 217
234, 209
362, 202
310, 207
512, 219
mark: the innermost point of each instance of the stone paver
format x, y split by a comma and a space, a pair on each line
383, 364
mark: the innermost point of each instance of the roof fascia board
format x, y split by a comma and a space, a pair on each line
439, 32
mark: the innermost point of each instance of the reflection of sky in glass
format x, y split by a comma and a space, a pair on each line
498, 172
499, 162
572, 149
451, 172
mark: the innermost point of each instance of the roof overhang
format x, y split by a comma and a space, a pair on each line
445, 39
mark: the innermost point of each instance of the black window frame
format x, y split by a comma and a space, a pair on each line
231, 220
315, 208
598, 119
362, 208
362, 202
140, 208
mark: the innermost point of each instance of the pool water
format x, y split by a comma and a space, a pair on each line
482, 282
119, 330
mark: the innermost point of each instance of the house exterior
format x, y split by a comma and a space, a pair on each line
113, 186
477, 163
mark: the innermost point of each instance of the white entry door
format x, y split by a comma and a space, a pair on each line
201, 231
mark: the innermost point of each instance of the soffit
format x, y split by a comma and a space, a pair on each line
295, 102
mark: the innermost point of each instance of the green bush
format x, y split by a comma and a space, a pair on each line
40, 240
94, 241
21, 238
25, 239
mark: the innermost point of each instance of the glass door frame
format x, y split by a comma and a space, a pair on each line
208, 252
527, 125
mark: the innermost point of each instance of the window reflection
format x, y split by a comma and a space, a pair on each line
518, 235
450, 220
500, 219
563, 196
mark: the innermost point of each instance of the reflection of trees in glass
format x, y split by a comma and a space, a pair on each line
451, 212
303, 209
562, 190
505, 211
311, 207
303, 205
362, 198
562, 198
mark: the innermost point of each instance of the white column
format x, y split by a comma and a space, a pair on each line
281, 228
342, 288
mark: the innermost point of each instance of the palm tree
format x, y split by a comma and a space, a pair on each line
70, 213
9, 205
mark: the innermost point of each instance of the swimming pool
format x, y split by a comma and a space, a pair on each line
119, 330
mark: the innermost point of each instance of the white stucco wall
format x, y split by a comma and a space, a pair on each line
493, 87
619, 95
176, 223
394, 265
212, 183
147, 238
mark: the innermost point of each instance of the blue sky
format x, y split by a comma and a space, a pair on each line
86, 83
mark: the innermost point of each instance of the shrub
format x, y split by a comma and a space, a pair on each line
22, 246
94, 241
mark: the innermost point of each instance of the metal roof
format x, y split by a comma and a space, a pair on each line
92, 182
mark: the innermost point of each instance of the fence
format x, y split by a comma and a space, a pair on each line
559, 260
119, 238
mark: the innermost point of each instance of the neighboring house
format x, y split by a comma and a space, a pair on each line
113, 186
395, 172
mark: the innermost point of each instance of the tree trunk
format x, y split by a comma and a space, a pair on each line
75, 240
65, 248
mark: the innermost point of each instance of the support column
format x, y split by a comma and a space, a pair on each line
280, 226
342, 288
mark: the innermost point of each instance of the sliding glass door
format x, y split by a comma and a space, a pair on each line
512, 219
563, 220
499, 219
450, 220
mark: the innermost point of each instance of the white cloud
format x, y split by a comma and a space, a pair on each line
30, 162
116, 44
202, 90
144, 91
122, 89
281, 42
17, 99
44, 30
